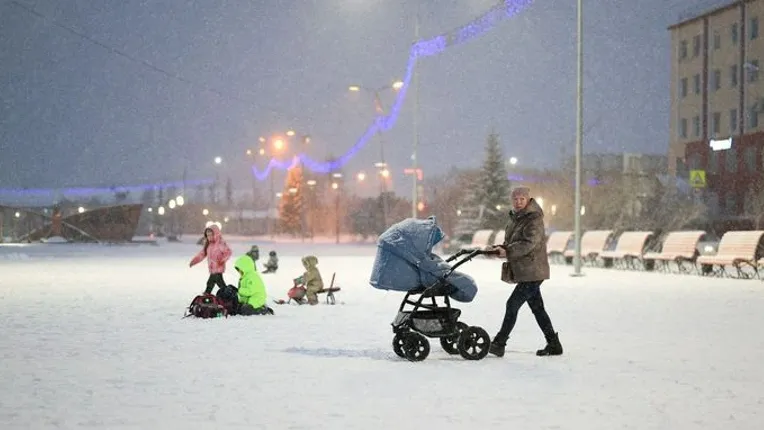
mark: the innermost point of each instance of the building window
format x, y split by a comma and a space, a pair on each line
716, 123
713, 162
734, 34
717, 40
683, 128
749, 157
730, 204
696, 46
753, 70
733, 121
730, 160
716, 80
683, 88
696, 126
683, 50
696, 83
754, 28
753, 116
693, 161
733, 75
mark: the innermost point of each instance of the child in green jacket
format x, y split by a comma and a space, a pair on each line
252, 295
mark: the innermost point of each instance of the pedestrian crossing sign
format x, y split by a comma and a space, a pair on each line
698, 178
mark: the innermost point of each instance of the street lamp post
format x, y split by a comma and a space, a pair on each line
579, 142
414, 161
380, 111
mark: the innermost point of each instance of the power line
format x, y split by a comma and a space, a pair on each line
127, 56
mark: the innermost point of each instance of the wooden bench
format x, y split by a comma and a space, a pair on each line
481, 239
556, 244
628, 250
737, 249
329, 291
679, 247
592, 244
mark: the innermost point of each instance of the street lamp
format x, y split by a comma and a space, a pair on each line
80, 209
218, 160
171, 204
205, 212
180, 200
361, 176
160, 211
579, 139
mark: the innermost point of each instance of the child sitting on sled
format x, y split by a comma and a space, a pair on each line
311, 279
251, 295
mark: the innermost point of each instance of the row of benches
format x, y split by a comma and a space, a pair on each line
738, 250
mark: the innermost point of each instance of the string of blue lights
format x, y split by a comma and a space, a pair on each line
421, 49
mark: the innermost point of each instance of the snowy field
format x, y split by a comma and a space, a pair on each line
92, 337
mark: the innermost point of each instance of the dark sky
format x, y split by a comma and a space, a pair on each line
76, 113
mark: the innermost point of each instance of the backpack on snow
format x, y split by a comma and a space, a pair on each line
206, 306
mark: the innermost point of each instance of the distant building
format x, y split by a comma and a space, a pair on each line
717, 102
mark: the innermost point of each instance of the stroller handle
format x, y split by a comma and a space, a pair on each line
471, 253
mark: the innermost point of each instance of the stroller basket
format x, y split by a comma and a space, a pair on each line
435, 322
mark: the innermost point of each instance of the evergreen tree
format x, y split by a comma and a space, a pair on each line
291, 206
493, 186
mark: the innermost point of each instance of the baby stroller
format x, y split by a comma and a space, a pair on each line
405, 263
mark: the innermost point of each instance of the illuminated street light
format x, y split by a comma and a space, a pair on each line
150, 210
218, 160
354, 88
279, 195
249, 152
278, 144
17, 214
513, 160
205, 212
171, 204
397, 85
335, 185
385, 173
361, 176
336, 175
80, 209
380, 164
262, 151
293, 190
225, 219
160, 211
311, 182
180, 200
290, 133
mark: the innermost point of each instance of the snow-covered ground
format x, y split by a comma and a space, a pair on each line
92, 337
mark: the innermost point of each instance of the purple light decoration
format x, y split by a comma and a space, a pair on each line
422, 48
88, 191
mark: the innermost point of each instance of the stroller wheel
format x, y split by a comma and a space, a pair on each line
474, 343
398, 341
449, 343
415, 347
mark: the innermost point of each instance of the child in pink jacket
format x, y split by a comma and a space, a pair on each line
217, 253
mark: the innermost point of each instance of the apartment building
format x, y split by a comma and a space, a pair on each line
717, 102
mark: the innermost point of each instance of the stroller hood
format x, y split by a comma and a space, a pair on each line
405, 260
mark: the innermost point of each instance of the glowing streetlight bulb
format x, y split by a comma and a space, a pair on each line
262, 151
278, 144
160, 211
293, 190
205, 212
17, 214
397, 85
261, 139
385, 173
513, 160
290, 133
354, 88
335, 185
180, 200
218, 160
249, 152
361, 176
311, 182
80, 209
171, 204
150, 210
